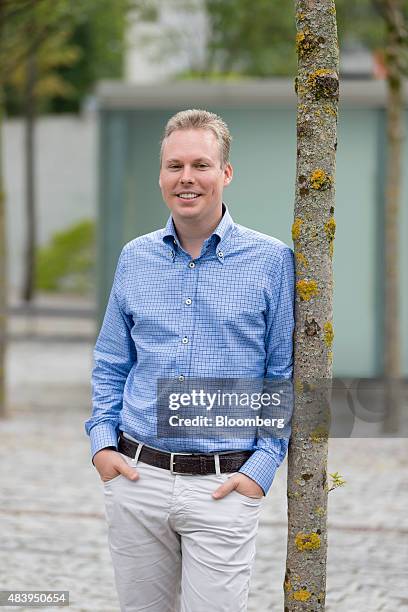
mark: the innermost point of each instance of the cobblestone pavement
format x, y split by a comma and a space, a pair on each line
52, 516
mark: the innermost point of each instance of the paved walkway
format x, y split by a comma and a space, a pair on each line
52, 517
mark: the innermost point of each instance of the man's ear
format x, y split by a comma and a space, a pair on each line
228, 174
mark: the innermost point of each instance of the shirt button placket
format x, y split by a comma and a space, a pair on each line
187, 319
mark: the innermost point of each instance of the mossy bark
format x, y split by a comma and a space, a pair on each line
317, 87
396, 41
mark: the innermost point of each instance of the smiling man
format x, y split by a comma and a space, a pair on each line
203, 297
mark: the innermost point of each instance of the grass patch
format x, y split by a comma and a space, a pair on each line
67, 263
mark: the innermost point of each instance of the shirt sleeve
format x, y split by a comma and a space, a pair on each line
269, 450
114, 355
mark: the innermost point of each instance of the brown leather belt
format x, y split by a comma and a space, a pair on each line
184, 463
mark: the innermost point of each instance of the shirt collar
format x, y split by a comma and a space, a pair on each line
222, 235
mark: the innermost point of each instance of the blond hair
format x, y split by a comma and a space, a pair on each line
195, 119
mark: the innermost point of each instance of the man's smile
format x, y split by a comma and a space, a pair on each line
188, 195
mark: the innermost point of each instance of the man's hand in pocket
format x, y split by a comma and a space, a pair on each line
241, 483
110, 464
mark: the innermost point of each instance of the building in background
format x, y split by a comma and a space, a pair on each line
262, 118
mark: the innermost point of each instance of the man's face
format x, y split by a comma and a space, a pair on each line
191, 177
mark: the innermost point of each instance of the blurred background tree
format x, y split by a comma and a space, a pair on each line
255, 38
40, 42
80, 49
61, 51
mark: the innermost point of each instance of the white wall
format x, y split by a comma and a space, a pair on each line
66, 180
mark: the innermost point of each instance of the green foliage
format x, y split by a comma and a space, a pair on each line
56, 52
253, 37
84, 41
337, 481
67, 263
256, 37
101, 37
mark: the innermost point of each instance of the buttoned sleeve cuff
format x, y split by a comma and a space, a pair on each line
103, 435
261, 467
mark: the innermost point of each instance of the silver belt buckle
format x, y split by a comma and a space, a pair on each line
172, 464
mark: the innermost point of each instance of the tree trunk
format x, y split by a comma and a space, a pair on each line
3, 276
3, 253
30, 247
313, 231
395, 134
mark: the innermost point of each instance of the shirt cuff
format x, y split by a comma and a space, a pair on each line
101, 436
261, 467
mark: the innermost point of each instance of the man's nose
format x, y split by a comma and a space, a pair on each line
186, 176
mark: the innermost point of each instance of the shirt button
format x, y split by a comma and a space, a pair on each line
185, 340
181, 378
188, 301
191, 264
220, 254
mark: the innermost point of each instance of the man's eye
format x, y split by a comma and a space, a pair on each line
202, 165
173, 167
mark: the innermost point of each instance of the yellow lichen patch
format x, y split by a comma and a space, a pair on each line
319, 434
302, 595
319, 510
319, 179
296, 229
307, 541
330, 228
328, 333
301, 260
301, 90
300, 36
324, 83
306, 289
330, 357
312, 78
286, 585
298, 386
330, 110
305, 42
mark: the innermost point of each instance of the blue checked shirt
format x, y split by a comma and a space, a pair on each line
226, 314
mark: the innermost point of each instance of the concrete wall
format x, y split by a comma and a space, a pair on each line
66, 180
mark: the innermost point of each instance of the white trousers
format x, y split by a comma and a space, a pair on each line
176, 549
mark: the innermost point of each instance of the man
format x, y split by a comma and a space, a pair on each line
203, 297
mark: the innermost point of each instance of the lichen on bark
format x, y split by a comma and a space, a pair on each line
313, 233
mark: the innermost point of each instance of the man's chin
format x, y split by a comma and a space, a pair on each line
187, 211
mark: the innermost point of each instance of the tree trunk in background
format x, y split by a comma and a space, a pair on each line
3, 254
313, 231
3, 276
396, 39
30, 246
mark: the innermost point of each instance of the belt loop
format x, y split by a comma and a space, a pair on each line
217, 464
138, 451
